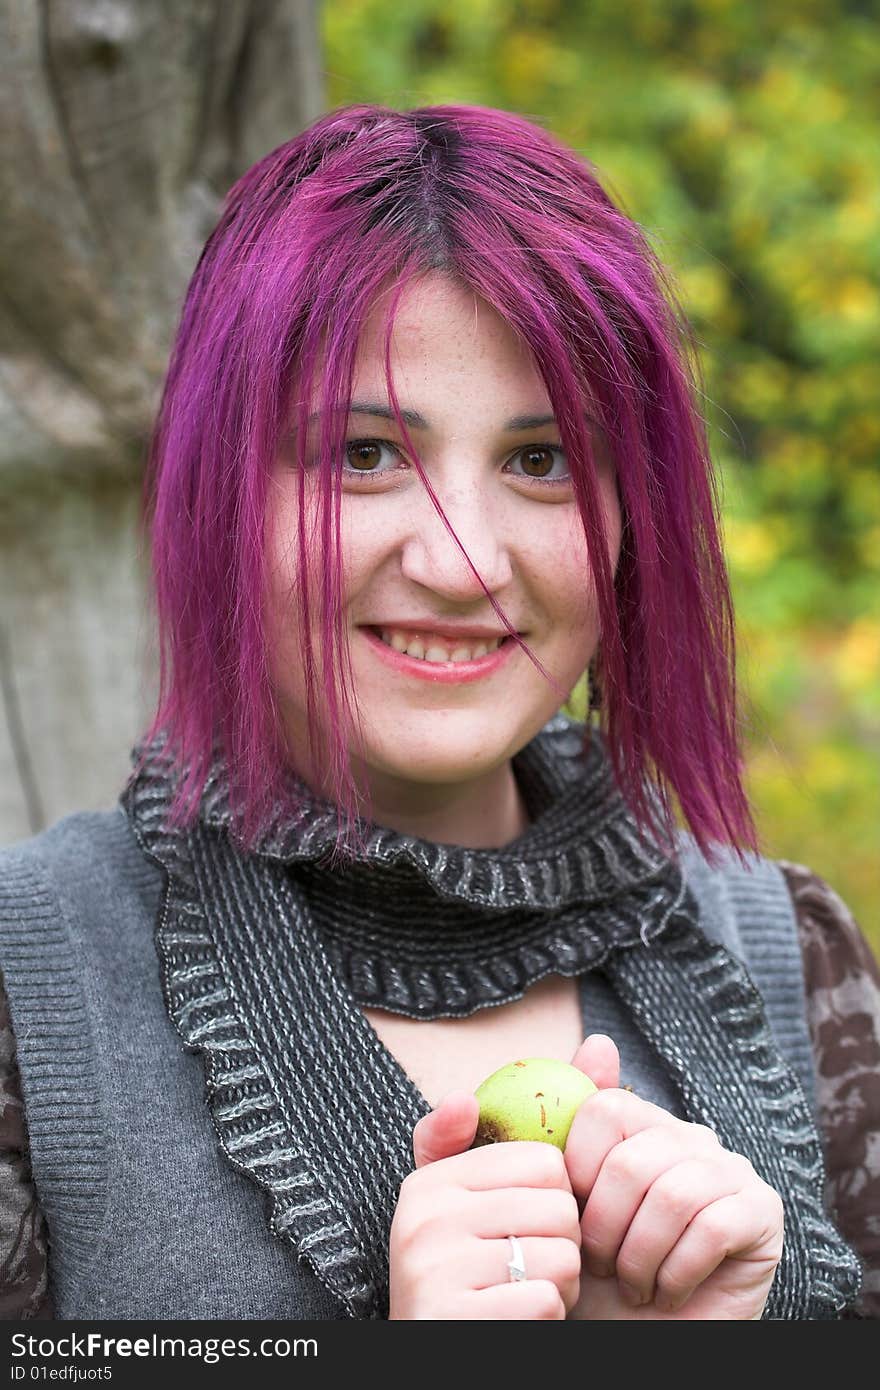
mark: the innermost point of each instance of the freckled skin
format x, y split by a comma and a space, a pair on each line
437, 758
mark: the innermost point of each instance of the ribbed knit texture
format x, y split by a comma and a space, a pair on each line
52, 1023
704, 1016
266, 956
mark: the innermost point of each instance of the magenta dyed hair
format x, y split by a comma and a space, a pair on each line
369, 197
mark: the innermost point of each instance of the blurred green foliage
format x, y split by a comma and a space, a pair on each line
742, 136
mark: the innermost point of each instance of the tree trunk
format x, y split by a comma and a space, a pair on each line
123, 123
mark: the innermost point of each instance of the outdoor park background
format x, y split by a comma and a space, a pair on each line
743, 137
740, 134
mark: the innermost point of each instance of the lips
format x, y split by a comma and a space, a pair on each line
439, 672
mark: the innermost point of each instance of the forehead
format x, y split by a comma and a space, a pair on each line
443, 327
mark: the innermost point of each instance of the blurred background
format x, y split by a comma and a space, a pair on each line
741, 135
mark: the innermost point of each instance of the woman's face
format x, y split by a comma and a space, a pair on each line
432, 730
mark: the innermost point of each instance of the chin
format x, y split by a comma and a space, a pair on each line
429, 771
451, 760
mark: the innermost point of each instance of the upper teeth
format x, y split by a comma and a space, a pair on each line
430, 647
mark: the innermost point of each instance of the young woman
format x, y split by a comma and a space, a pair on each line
428, 453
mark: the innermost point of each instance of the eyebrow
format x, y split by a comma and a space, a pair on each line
418, 422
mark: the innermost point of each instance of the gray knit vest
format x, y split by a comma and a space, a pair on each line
217, 1131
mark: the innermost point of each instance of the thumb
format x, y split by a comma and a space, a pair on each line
599, 1058
447, 1130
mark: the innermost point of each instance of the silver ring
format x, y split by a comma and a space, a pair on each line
516, 1268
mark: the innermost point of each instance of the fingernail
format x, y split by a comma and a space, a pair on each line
629, 1294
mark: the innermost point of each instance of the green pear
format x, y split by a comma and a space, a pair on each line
534, 1098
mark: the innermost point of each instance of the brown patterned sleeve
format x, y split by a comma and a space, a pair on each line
843, 1010
23, 1239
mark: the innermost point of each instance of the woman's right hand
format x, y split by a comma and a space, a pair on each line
449, 1246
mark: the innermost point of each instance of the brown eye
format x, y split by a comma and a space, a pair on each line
363, 455
537, 461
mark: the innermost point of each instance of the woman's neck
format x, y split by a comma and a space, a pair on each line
487, 815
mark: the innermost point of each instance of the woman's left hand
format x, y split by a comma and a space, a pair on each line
673, 1225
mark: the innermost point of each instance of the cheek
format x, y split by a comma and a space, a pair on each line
362, 549
611, 516
282, 590
567, 553
613, 519
372, 538
566, 563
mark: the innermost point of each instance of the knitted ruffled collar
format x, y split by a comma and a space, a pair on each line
581, 844
433, 930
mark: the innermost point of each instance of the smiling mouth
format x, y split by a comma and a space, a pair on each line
437, 651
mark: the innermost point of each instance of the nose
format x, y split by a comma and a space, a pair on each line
430, 556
